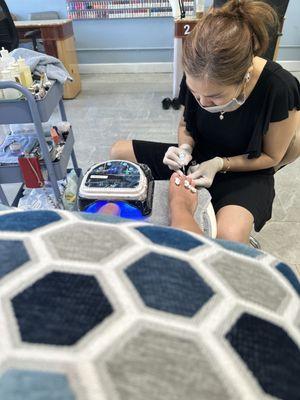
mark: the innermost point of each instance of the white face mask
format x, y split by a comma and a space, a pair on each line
232, 105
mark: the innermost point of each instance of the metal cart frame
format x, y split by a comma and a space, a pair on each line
29, 110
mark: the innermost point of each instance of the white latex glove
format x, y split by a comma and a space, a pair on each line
203, 174
176, 157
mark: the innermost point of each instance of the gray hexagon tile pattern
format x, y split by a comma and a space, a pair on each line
156, 365
124, 333
250, 281
86, 242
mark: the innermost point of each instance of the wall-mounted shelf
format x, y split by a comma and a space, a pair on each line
113, 9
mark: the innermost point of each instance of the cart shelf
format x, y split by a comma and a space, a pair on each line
11, 173
18, 111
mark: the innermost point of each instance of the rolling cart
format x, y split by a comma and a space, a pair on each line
28, 110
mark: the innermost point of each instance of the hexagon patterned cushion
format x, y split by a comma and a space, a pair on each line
101, 308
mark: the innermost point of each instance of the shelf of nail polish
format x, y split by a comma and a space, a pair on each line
112, 9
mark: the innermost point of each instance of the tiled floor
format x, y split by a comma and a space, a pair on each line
112, 107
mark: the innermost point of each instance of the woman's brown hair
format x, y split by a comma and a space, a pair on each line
222, 44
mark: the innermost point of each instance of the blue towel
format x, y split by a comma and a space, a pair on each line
9, 157
43, 63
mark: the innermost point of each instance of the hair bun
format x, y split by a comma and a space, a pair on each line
235, 7
259, 16
222, 45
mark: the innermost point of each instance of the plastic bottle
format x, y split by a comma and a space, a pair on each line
9, 94
14, 71
25, 73
6, 60
1, 91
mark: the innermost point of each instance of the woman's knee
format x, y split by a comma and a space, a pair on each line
233, 233
122, 150
234, 223
118, 149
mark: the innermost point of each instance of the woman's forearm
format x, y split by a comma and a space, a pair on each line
183, 135
242, 163
275, 144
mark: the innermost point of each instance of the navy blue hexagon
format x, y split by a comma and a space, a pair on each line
27, 221
19, 385
60, 308
13, 255
269, 353
169, 284
170, 237
289, 275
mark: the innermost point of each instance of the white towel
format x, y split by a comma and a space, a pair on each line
43, 63
204, 215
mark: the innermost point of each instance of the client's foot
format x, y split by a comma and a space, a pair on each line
182, 198
110, 209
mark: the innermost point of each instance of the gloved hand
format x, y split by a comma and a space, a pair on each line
203, 174
176, 157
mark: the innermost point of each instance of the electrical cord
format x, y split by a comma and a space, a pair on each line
182, 9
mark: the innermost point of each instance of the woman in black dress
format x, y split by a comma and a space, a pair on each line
241, 116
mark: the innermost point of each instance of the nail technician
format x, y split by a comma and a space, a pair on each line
241, 116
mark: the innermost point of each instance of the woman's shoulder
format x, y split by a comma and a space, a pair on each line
281, 89
278, 77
